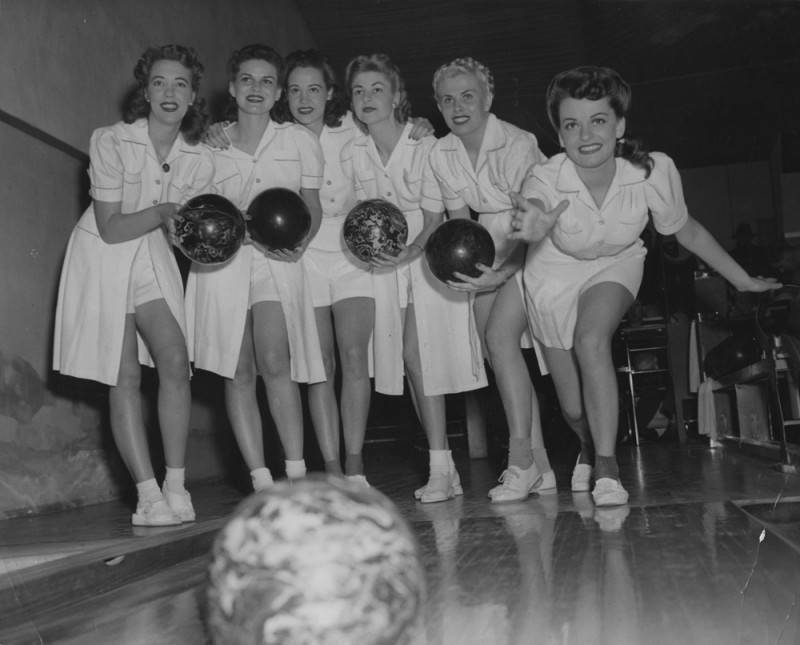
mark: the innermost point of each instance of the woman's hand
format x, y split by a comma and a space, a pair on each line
216, 137
531, 222
168, 212
387, 261
489, 280
759, 284
421, 127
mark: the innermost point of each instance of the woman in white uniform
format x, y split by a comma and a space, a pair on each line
419, 322
341, 286
254, 314
120, 300
477, 165
590, 204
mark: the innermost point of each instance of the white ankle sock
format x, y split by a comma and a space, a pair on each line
175, 478
148, 490
295, 468
261, 478
441, 459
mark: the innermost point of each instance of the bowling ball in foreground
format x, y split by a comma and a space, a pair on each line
209, 229
321, 560
374, 226
278, 218
458, 245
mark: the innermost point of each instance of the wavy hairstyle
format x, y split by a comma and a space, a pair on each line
255, 51
594, 83
382, 64
136, 105
335, 107
464, 65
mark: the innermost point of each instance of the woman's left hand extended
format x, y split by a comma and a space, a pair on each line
488, 280
759, 284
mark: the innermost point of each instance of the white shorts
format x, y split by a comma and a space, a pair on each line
143, 285
554, 283
334, 277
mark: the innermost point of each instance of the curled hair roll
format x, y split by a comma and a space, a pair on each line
136, 106
382, 64
594, 83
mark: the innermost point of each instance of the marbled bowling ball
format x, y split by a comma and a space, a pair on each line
458, 245
374, 226
322, 561
209, 229
278, 218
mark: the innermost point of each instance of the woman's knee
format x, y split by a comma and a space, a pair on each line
355, 363
591, 345
274, 364
173, 365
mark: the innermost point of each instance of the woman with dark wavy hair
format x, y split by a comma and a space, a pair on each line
120, 301
588, 206
419, 322
254, 314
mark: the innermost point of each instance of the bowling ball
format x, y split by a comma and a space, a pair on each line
321, 560
374, 226
278, 219
209, 229
458, 245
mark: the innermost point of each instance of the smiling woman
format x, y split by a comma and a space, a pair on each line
120, 300
254, 314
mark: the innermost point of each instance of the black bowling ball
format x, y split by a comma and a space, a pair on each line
278, 218
458, 245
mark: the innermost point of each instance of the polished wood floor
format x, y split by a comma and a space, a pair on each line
707, 551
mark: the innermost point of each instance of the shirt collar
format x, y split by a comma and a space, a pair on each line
625, 174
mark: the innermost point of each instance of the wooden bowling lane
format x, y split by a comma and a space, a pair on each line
696, 557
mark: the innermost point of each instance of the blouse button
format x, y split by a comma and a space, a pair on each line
329, 182
158, 182
388, 194
155, 202
258, 181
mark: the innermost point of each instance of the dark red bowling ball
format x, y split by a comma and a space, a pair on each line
458, 245
374, 226
209, 229
278, 219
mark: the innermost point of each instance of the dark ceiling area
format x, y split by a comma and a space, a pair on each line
714, 82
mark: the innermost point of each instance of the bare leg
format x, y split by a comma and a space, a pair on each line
505, 326
567, 381
600, 311
242, 404
431, 409
273, 361
353, 323
125, 402
167, 345
322, 396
